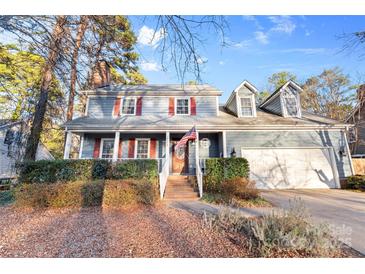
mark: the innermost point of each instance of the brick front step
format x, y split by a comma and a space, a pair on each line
178, 188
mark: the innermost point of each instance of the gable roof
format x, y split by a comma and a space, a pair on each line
279, 89
155, 90
245, 83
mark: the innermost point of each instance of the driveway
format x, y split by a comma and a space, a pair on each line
344, 209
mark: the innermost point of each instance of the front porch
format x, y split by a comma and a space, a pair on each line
120, 146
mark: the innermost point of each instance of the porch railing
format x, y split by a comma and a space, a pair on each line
199, 178
163, 175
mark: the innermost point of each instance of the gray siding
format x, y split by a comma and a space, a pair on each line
206, 106
335, 139
274, 106
155, 106
89, 142
232, 106
100, 107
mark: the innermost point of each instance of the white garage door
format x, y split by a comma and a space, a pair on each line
284, 168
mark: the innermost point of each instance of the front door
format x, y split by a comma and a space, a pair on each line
180, 159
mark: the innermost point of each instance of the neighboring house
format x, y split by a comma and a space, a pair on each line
285, 146
12, 146
357, 118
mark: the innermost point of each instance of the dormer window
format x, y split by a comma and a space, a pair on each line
128, 106
246, 106
291, 105
182, 106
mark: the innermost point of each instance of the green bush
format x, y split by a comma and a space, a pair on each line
57, 171
135, 169
218, 170
356, 182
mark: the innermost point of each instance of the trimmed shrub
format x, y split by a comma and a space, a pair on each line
356, 182
73, 194
113, 193
220, 169
135, 169
147, 193
119, 193
56, 171
239, 187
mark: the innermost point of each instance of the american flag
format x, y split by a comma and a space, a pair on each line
190, 135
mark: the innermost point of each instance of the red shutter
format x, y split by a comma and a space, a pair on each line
131, 148
120, 148
139, 106
96, 153
116, 111
171, 106
153, 148
192, 106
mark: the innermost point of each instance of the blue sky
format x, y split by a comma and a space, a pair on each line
259, 47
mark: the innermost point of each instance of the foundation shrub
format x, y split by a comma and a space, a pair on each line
356, 182
119, 193
239, 187
218, 170
135, 169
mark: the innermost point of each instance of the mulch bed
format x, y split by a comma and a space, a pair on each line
135, 232
95, 232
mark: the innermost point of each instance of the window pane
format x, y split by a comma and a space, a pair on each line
246, 107
108, 146
142, 149
128, 106
182, 106
291, 106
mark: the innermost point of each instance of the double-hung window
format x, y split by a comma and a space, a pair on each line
246, 107
128, 106
291, 105
107, 147
142, 149
182, 106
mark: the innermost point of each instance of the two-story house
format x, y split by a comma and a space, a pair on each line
286, 147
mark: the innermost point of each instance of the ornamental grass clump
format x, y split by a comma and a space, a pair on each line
281, 233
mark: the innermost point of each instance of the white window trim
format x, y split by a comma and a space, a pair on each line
189, 106
102, 145
253, 106
136, 146
121, 106
285, 107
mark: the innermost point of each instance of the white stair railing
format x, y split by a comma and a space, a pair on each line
163, 175
199, 177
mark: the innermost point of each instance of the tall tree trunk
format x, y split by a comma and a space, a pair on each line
54, 52
75, 56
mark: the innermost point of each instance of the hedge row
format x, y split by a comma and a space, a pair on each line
356, 182
58, 171
217, 170
107, 193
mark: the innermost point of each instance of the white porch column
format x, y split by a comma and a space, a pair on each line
66, 154
224, 139
116, 146
167, 147
197, 149
81, 145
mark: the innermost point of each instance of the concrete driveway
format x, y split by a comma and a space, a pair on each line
341, 208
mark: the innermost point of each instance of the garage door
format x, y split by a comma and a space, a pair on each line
280, 168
